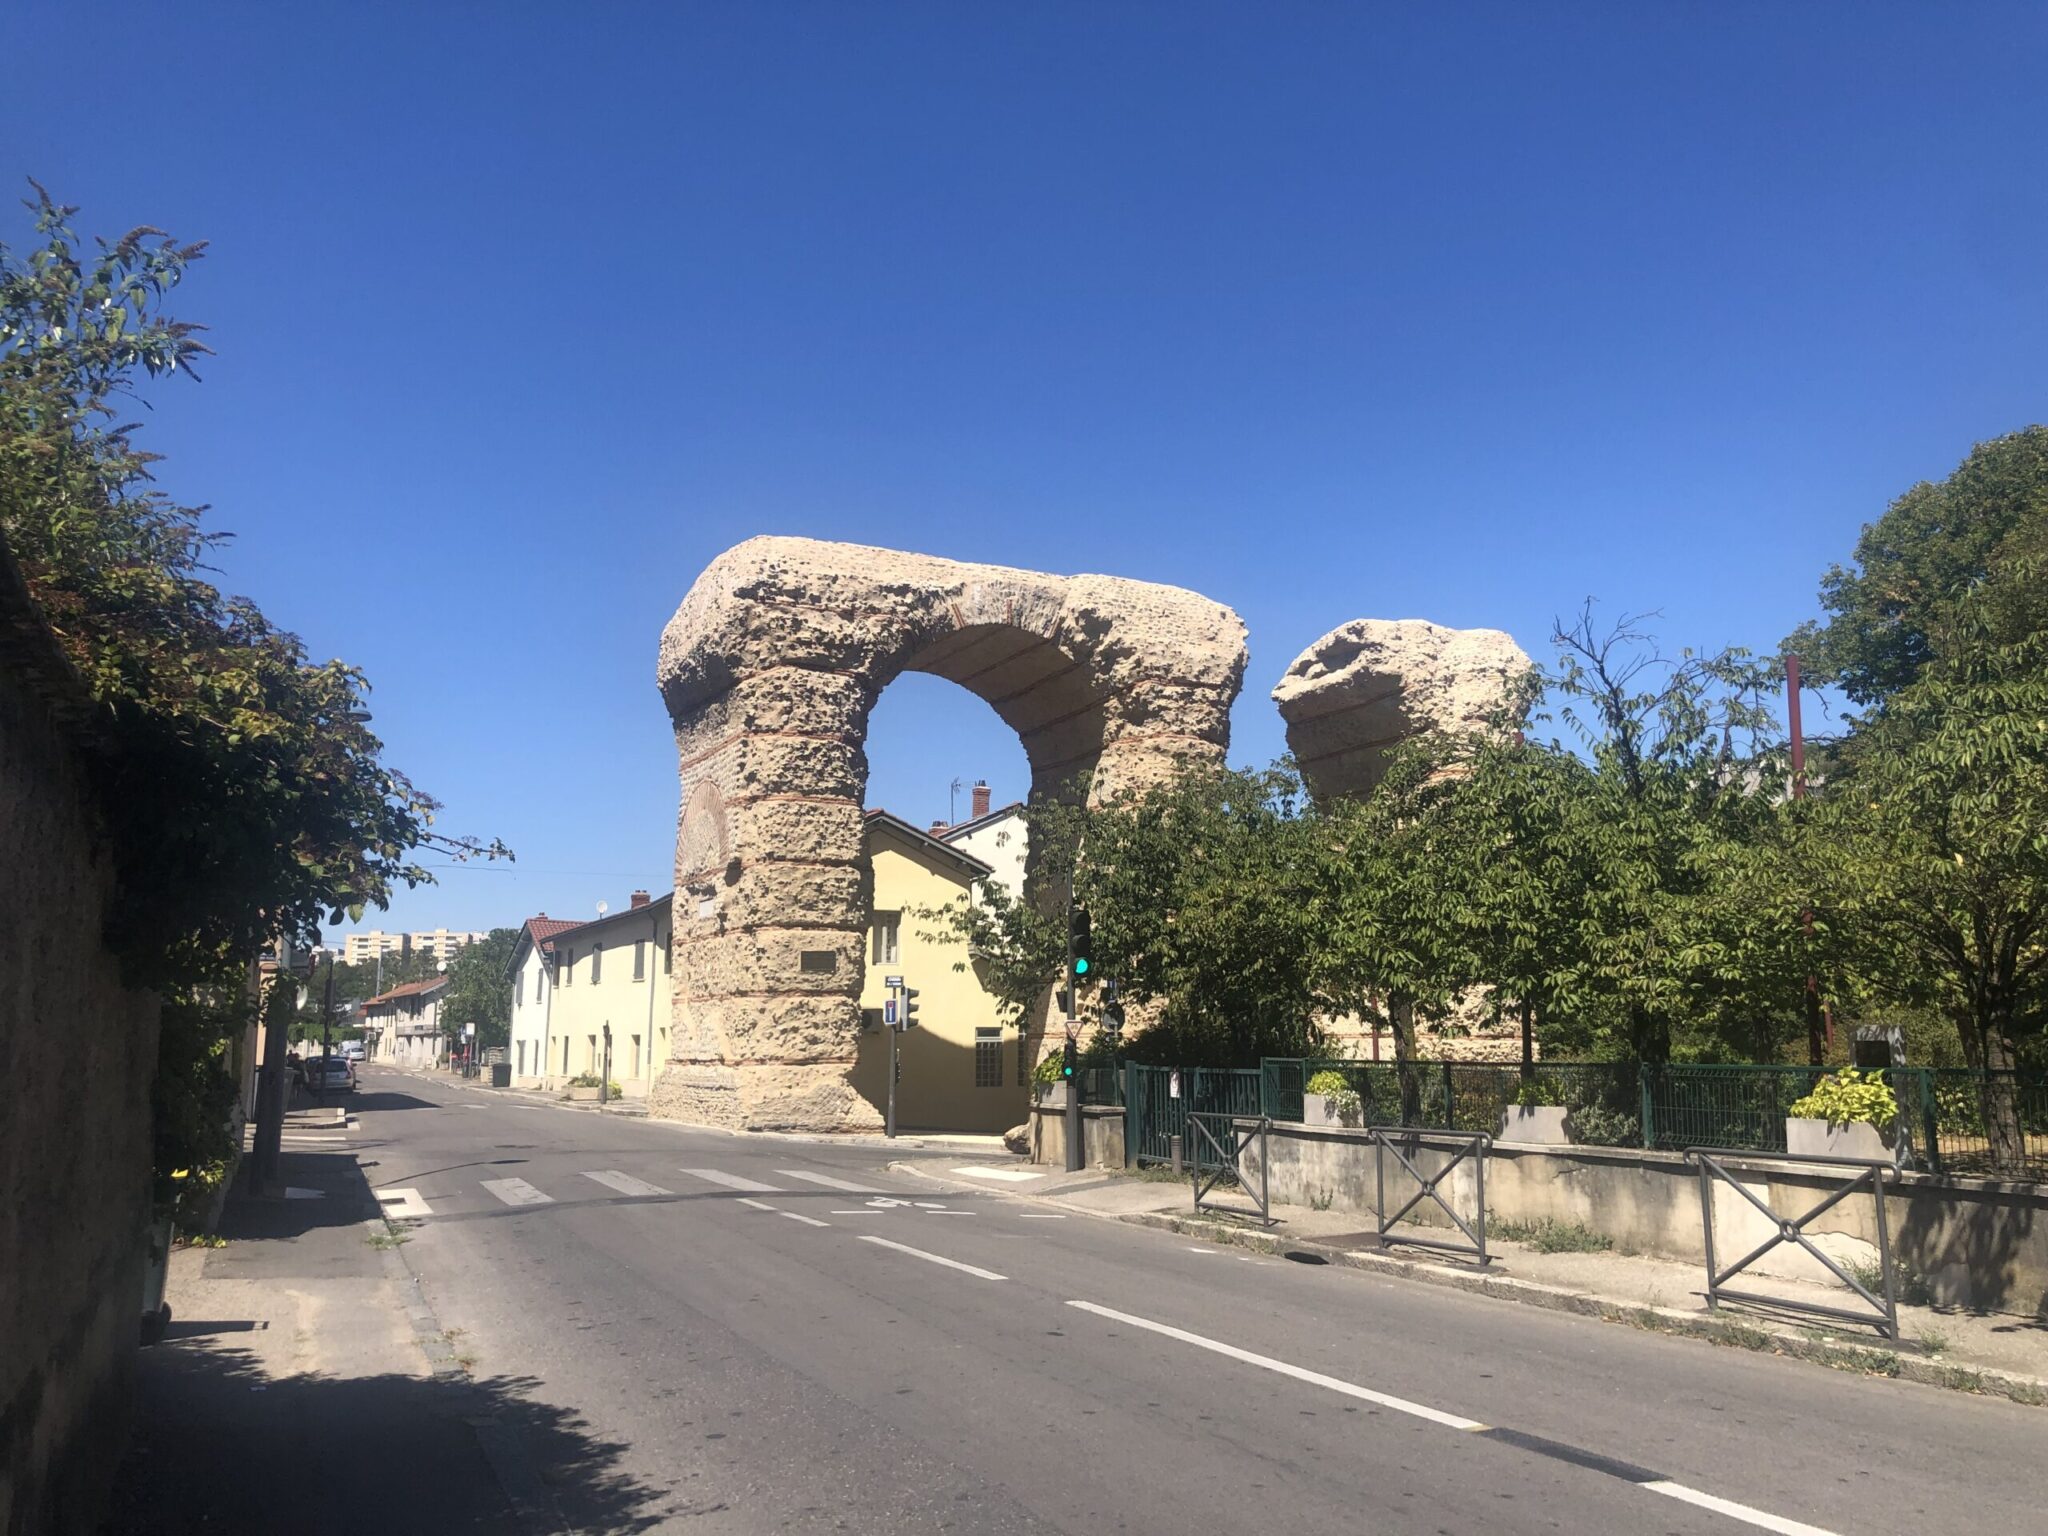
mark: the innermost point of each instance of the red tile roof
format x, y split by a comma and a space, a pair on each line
544, 928
410, 989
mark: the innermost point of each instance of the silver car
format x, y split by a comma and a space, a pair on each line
330, 1072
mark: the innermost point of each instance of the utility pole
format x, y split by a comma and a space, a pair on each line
270, 1088
1816, 1026
604, 1081
1075, 1160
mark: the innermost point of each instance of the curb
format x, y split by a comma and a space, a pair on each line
1732, 1332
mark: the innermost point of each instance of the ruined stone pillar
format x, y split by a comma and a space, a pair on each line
769, 670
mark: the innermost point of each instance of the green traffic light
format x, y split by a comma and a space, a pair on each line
1081, 965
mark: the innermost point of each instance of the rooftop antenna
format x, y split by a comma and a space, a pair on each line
603, 907
952, 803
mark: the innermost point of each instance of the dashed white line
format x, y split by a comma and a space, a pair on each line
1000, 1175
1282, 1368
809, 1221
517, 1192
846, 1186
1040, 1216
734, 1181
1733, 1510
625, 1183
759, 1205
932, 1258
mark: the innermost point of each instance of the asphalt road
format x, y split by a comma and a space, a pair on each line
716, 1337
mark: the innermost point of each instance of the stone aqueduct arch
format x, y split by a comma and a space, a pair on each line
769, 670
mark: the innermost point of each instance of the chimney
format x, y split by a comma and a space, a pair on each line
639, 898
980, 798
939, 827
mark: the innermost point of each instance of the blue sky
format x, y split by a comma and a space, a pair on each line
525, 312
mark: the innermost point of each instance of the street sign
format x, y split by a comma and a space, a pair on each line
889, 1013
468, 1031
893, 981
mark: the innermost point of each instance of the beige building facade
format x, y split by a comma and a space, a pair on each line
576, 986
961, 1069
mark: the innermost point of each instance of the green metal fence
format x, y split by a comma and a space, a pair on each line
1950, 1120
1100, 1085
1157, 1101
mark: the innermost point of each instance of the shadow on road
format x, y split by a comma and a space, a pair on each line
222, 1448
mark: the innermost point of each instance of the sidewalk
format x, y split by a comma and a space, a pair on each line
304, 1385
1996, 1353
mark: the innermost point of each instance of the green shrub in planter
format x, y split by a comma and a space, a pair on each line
1849, 1097
1539, 1093
591, 1080
1335, 1087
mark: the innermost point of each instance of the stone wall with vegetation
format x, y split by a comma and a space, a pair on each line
77, 1054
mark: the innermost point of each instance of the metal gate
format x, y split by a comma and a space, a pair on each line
1219, 1143
1158, 1100
1461, 1145
1854, 1173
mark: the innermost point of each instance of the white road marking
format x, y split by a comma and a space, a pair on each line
831, 1183
625, 1183
759, 1205
1733, 1510
948, 1213
932, 1258
403, 1203
1193, 1249
809, 1221
1001, 1175
929, 1205
1281, 1367
734, 1181
862, 1212
517, 1192
1040, 1216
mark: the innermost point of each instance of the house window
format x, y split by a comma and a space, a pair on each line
636, 1055
568, 968
639, 959
988, 1058
522, 1058
664, 954
883, 946
596, 964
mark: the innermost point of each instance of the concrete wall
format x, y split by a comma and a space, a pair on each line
1102, 1135
1978, 1243
77, 1054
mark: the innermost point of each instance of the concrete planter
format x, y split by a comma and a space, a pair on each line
1819, 1138
1326, 1109
583, 1095
1054, 1095
1539, 1125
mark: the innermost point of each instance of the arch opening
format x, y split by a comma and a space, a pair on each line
771, 670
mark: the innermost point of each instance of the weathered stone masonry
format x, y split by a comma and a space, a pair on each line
770, 668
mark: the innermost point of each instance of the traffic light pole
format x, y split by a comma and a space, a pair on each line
1075, 1160
892, 1078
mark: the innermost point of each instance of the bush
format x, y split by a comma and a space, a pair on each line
1538, 1092
1336, 1087
1549, 1235
591, 1080
1849, 1097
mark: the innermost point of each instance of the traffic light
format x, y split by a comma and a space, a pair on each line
1081, 942
1070, 1059
1112, 1008
909, 1010
1064, 998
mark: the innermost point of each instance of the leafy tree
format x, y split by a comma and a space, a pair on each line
1931, 548
1202, 894
1931, 848
245, 796
480, 989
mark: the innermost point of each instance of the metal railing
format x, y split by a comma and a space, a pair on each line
1466, 1144
1158, 1101
1218, 1142
1882, 1312
1948, 1120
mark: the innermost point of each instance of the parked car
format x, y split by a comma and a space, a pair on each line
352, 1050
327, 1073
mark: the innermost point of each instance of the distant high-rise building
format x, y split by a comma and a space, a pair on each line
441, 943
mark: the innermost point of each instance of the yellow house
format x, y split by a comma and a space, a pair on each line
573, 985
961, 1068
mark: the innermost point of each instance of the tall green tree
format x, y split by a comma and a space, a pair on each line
1930, 550
245, 795
480, 989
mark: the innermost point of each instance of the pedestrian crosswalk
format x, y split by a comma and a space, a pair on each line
847, 1197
